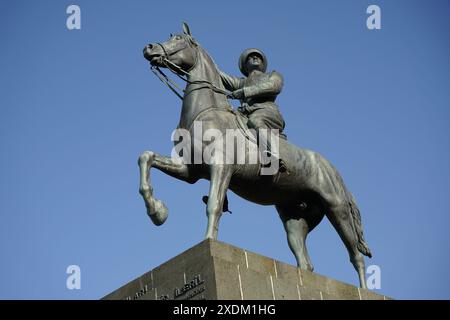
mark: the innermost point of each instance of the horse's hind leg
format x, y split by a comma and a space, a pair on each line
298, 222
156, 209
341, 221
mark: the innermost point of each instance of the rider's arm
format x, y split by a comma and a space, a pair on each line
231, 83
272, 86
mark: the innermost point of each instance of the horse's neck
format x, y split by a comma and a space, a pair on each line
200, 97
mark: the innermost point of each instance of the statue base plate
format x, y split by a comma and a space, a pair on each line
214, 270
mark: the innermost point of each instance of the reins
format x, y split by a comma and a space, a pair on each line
174, 68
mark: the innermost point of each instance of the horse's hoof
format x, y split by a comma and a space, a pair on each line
160, 214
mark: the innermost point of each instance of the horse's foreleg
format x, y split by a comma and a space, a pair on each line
220, 179
156, 209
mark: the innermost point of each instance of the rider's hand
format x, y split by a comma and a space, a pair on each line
237, 94
243, 108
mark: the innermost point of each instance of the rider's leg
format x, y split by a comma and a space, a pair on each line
258, 123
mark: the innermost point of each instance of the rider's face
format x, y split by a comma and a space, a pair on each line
254, 62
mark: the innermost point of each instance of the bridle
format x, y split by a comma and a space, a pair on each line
176, 69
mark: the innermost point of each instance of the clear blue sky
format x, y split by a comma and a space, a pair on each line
78, 107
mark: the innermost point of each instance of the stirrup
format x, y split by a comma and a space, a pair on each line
281, 164
282, 168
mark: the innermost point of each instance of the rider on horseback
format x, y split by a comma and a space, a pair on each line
257, 93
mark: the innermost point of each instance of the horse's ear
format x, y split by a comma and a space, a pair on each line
186, 29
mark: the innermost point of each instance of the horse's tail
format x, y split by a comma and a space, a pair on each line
355, 216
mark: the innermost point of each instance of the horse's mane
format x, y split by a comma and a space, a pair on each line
207, 56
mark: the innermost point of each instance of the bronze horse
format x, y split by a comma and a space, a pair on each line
309, 189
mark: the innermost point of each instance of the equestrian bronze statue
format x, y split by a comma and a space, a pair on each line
303, 190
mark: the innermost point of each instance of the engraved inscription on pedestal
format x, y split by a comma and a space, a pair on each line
139, 294
191, 290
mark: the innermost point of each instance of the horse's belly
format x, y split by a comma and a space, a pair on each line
264, 193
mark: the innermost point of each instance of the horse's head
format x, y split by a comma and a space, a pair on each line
179, 50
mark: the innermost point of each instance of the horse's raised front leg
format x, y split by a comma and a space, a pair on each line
156, 209
220, 179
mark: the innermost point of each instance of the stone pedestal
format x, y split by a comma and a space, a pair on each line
214, 270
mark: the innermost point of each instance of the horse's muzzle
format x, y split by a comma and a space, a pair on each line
153, 54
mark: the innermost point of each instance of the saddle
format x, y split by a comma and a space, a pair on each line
241, 120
